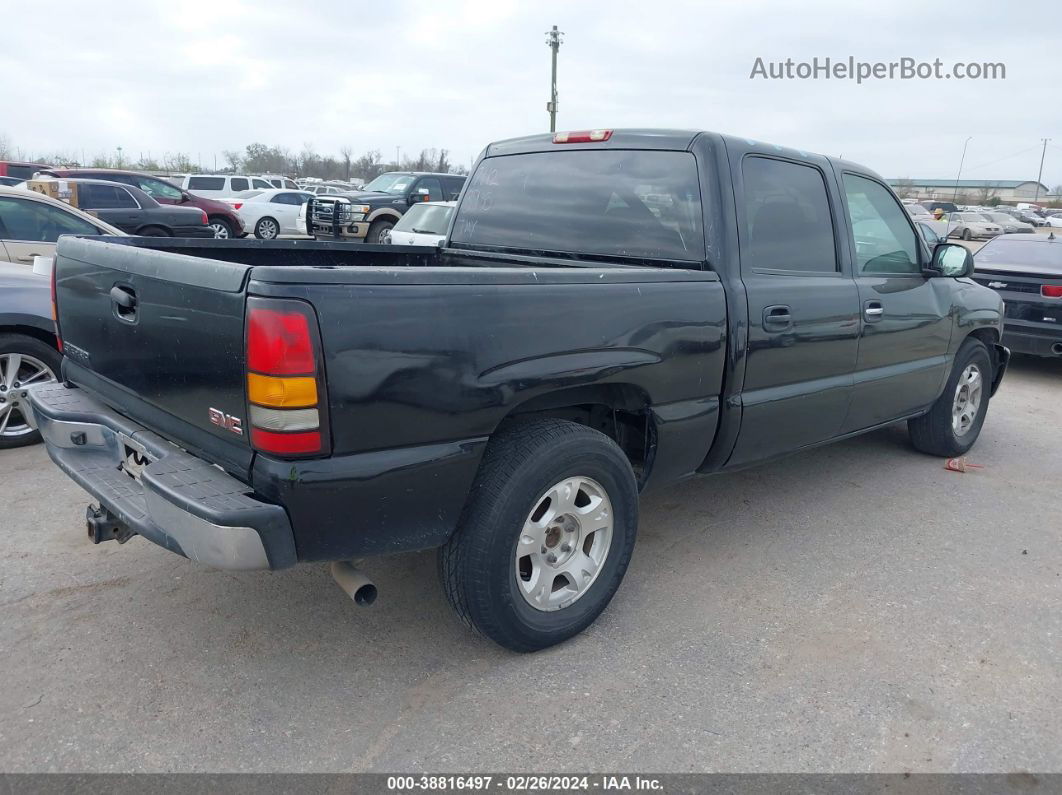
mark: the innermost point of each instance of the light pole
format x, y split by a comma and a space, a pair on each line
1040, 176
119, 157
553, 39
962, 160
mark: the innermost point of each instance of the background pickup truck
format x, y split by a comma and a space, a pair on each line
611, 311
369, 213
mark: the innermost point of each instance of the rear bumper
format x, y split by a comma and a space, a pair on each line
193, 231
179, 502
1028, 338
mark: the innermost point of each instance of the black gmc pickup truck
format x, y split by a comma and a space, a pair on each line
612, 310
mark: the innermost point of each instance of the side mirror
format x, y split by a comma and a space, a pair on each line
185, 196
422, 195
951, 261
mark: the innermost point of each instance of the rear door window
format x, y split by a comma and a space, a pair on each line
613, 203
787, 217
104, 197
206, 183
238, 183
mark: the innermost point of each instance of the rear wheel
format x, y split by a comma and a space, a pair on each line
952, 426
24, 362
376, 231
222, 229
266, 229
546, 537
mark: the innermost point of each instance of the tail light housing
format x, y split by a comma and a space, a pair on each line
206, 221
1051, 291
287, 407
55, 310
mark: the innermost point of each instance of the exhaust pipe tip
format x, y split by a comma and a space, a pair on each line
352, 580
1056, 349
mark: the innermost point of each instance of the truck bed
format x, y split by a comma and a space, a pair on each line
425, 353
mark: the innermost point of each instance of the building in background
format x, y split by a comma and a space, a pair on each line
970, 191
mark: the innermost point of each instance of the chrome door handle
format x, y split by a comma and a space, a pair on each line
873, 310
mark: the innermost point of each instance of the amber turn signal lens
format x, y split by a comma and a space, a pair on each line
281, 393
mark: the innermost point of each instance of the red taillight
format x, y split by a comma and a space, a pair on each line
55, 312
1051, 291
285, 384
278, 342
582, 136
206, 221
237, 205
286, 443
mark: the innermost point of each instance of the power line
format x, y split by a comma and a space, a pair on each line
1000, 160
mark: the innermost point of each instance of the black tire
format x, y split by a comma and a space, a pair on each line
967, 235
47, 355
376, 230
258, 228
154, 231
223, 230
933, 432
478, 566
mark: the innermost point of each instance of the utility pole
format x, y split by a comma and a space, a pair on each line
553, 39
398, 157
1041, 174
962, 160
119, 157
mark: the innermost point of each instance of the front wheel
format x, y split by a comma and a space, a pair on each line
967, 234
952, 425
376, 231
546, 537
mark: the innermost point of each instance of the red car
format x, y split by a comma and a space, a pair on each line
221, 217
19, 171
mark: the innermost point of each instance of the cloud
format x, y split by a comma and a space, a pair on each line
202, 76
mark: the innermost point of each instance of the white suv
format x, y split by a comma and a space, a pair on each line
220, 186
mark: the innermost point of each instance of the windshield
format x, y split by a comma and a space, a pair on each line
917, 209
390, 183
623, 203
428, 219
999, 218
1008, 251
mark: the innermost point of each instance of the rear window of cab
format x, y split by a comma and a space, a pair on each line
620, 203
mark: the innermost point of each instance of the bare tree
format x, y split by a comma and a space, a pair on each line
985, 194
904, 187
233, 158
347, 153
5, 147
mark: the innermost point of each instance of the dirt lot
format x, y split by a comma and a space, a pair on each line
852, 608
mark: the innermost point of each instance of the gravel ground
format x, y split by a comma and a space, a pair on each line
854, 608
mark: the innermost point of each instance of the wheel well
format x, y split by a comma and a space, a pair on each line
31, 331
989, 336
619, 411
159, 227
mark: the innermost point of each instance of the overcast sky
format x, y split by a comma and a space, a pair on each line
202, 76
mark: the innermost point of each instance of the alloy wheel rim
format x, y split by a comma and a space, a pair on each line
967, 400
220, 230
268, 229
18, 371
564, 543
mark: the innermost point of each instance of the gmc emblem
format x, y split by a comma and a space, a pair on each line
226, 421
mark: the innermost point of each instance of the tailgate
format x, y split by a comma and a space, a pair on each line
159, 337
